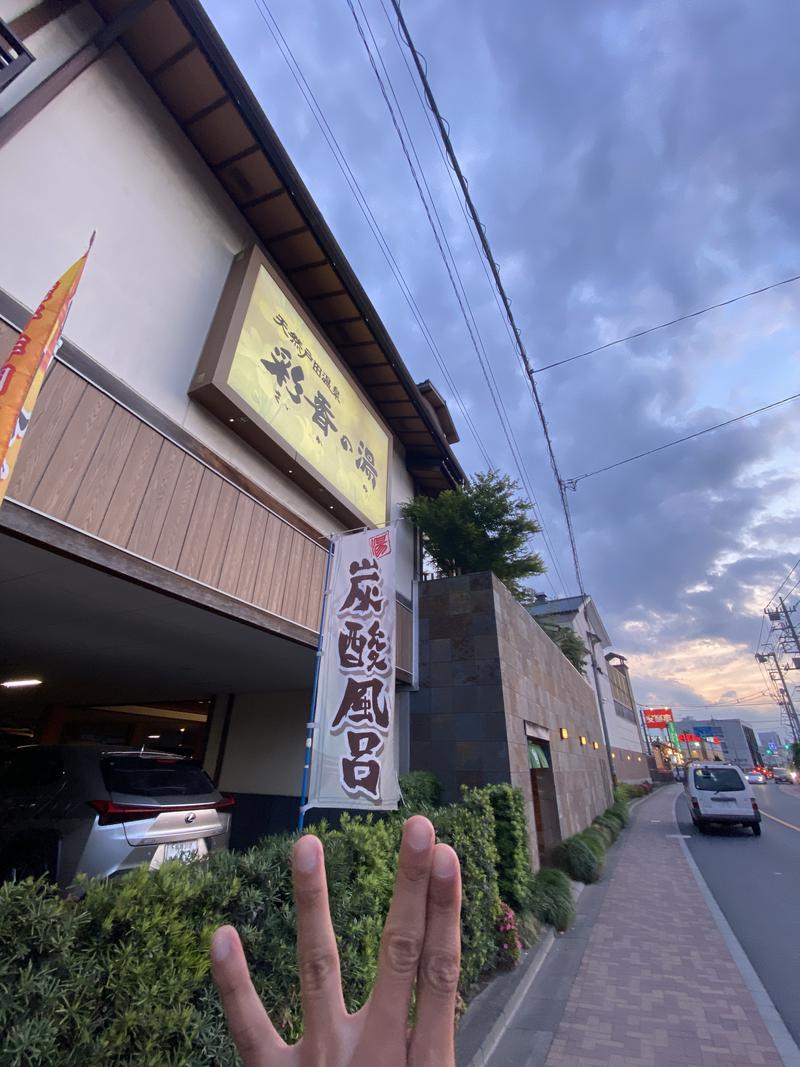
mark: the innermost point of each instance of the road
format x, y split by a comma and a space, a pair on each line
756, 883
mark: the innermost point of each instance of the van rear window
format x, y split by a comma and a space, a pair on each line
725, 780
154, 776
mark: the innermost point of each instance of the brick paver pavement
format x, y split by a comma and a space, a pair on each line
657, 985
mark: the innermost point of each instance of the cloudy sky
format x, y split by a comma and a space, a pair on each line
632, 161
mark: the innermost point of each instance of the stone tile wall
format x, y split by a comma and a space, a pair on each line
487, 669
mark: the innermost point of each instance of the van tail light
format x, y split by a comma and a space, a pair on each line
111, 813
226, 803
695, 803
755, 806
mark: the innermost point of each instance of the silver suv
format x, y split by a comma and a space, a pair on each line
67, 810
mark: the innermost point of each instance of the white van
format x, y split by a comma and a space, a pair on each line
720, 793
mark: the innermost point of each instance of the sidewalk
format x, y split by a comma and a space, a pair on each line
645, 981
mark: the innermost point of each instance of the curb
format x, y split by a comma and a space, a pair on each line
536, 960
784, 1042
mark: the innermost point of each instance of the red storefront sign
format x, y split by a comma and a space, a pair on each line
657, 718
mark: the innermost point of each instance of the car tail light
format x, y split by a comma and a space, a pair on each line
110, 812
695, 803
755, 805
226, 803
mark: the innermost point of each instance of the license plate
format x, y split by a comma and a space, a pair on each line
182, 850
723, 800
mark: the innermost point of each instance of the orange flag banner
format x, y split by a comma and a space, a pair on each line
22, 374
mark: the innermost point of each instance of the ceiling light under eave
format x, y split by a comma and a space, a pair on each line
20, 683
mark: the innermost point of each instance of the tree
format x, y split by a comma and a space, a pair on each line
481, 526
571, 644
796, 756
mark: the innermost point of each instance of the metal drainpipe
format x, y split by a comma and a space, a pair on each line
600, 704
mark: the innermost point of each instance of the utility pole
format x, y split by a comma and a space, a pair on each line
791, 711
790, 624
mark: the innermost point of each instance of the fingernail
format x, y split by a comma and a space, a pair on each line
221, 944
444, 863
419, 833
307, 854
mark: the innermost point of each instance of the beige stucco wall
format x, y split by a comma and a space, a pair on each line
106, 156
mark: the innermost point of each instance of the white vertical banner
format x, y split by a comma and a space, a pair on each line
354, 760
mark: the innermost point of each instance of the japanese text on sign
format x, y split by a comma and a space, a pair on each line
288, 376
354, 762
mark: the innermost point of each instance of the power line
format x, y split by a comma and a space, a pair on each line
308, 95
470, 229
444, 248
487, 251
664, 325
572, 483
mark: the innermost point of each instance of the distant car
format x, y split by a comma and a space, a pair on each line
67, 810
720, 793
756, 777
783, 774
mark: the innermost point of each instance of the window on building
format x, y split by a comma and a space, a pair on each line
624, 711
14, 56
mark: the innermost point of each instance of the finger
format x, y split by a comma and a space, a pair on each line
253, 1034
404, 933
437, 985
317, 954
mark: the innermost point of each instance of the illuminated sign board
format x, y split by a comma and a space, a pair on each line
657, 718
267, 371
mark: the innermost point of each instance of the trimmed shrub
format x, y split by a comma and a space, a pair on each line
576, 857
605, 830
421, 790
514, 873
595, 840
619, 809
552, 901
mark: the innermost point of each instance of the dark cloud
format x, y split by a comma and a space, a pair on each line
632, 162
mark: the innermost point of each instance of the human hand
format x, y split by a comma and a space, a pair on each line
421, 942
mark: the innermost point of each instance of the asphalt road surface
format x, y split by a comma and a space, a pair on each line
756, 883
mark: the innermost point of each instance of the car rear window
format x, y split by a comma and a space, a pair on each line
154, 776
724, 780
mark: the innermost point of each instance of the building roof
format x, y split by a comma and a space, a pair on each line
567, 605
571, 605
176, 48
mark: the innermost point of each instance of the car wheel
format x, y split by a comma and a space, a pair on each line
702, 827
757, 829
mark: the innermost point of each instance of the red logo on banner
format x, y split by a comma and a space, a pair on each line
380, 544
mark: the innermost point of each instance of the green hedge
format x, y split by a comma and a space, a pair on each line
551, 900
514, 871
421, 790
121, 977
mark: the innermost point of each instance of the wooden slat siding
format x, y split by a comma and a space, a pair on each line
60, 395
266, 562
299, 576
295, 588
155, 501
252, 555
237, 542
103, 473
194, 545
179, 512
69, 463
289, 547
316, 586
216, 548
127, 497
